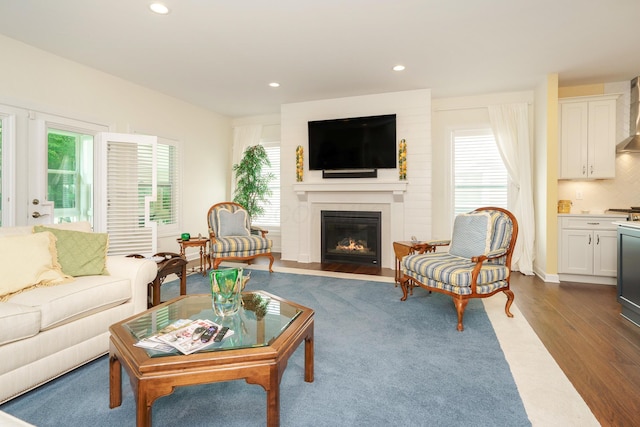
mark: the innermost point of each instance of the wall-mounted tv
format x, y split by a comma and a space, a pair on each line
353, 143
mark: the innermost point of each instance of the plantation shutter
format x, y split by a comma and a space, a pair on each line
165, 211
271, 215
130, 187
480, 178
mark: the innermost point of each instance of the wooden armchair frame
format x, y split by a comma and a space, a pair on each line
461, 300
216, 257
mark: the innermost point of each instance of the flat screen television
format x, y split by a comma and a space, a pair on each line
353, 143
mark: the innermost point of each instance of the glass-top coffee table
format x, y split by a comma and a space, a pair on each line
267, 330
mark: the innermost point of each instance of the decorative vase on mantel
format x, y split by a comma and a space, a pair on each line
402, 160
299, 164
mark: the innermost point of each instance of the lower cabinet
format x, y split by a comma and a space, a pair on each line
587, 249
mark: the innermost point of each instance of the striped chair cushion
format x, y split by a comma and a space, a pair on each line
446, 271
240, 246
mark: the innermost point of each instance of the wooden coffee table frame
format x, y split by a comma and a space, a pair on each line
155, 377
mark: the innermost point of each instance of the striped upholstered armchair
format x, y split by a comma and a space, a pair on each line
231, 237
477, 265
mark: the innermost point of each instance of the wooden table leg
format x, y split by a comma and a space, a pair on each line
202, 265
273, 398
308, 356
115, 381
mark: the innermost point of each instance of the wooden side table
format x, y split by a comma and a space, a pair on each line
197, 242
168, 263
403, 248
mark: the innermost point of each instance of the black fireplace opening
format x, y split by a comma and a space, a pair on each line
351, 237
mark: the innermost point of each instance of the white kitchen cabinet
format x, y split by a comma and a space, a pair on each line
587, 248
588, 137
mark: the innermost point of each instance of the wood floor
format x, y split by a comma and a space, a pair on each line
580, 325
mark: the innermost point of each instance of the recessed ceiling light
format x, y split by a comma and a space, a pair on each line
398, 68
274, 84
159, 8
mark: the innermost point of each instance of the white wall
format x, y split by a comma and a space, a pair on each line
413, 115
35, 80
459, 113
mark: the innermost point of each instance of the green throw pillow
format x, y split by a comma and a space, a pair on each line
80, 253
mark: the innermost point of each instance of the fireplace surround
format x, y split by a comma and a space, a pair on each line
352, 237
313, 197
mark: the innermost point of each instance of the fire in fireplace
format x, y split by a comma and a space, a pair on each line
351, 237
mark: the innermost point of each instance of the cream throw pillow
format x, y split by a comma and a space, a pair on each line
28, 261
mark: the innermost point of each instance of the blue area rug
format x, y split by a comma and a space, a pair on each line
378, 362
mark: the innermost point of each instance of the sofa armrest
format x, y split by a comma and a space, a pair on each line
140, 273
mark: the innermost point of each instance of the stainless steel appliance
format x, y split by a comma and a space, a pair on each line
629, 271
633, 213
632, 143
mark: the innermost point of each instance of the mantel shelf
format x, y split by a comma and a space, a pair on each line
397, 188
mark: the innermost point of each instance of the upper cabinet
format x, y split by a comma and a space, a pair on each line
588, 137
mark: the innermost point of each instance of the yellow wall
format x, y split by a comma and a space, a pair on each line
552, 173
584, 90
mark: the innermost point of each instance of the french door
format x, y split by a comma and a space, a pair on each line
80, 172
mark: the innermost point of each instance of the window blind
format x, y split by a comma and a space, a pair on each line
271, 215
480, 178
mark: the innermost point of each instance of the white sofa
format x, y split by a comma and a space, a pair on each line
48, 331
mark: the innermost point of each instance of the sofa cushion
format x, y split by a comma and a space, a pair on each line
79, 253
27, 261
18, 322
83, 296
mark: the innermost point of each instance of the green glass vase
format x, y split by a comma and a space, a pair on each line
226, 290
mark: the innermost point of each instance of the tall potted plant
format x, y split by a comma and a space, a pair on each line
252, 186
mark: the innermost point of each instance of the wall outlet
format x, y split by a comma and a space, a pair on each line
578, 195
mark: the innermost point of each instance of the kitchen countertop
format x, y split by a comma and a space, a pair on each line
613, 216
631, 224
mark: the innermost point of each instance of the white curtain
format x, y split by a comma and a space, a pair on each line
510, 124
243, 137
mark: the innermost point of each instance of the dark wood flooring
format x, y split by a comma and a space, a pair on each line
581, 327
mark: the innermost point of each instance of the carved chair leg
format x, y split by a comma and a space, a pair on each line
271, 263
404, 284
510, 297
461, 304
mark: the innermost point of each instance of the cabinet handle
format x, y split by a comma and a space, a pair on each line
597, 239
589, 239
584, 169
591, 169
593, 223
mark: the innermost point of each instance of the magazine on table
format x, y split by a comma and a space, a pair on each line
185, 335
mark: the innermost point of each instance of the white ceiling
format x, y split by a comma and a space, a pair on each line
221, 54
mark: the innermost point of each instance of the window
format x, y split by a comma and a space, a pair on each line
271, 215
165, 210
479, 175
165, 206
7, 165
70, 175
1, 167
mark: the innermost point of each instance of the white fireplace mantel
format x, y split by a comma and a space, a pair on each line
397, 188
